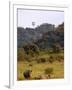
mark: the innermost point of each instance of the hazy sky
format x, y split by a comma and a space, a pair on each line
26, 17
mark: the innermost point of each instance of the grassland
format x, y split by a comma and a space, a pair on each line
38, 68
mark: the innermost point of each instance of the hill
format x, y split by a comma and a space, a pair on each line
44, 36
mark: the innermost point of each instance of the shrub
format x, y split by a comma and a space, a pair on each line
43, 59
49, 71
56, 48
31, 49
60, 58
20, 54
35, 48
30, 64
51, 59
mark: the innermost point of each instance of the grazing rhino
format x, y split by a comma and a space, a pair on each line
27, 74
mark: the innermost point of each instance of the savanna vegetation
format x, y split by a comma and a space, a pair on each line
41, 58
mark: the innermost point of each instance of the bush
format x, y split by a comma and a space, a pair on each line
30, 65
31, 49
43, 60
49, 71
56, 48
31, 53
60, 58
51, 59
20, 54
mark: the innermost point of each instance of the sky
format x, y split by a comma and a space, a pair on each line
26, 17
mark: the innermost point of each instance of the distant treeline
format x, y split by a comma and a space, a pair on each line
45, 36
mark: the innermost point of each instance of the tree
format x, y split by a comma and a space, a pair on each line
56, 48
26, 49
31, 49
